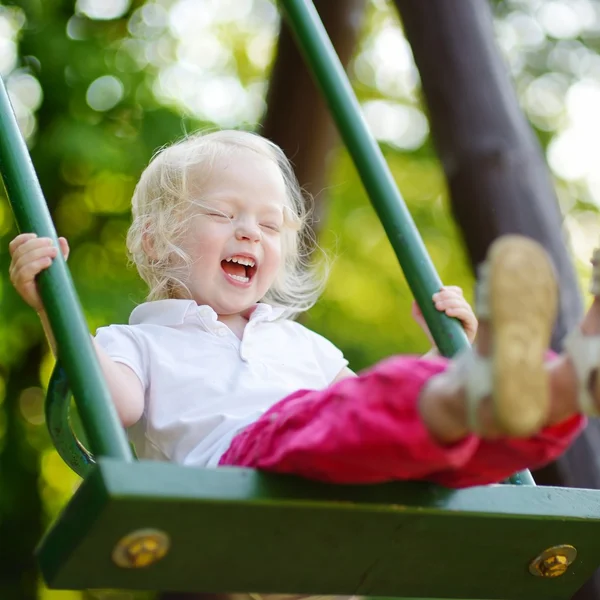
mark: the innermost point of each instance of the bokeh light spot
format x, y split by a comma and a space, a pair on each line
104, 93
103, 9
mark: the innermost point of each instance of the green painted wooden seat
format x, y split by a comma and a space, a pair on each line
237, 530
148, 525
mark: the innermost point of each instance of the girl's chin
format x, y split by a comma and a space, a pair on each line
230, 301
234, 308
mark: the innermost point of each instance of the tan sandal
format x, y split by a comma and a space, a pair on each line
584, 351
518, 293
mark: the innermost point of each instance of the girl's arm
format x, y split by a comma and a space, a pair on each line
124, 385
344, 374
30, 256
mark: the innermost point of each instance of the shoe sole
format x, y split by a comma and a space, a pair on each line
523, 298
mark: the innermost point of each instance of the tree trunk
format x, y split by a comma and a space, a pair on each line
495, 170
297, 118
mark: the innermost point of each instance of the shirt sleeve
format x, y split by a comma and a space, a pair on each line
122, 345
329, 357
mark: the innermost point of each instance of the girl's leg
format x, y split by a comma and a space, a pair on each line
363, 429
496, 460
497, 457
372, 429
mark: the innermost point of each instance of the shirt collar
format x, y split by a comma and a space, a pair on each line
174, 312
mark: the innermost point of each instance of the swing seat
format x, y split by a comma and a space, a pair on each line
238, 530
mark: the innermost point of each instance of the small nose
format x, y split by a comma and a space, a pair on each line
248, 231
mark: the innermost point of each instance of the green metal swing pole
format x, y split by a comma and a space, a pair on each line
74, 345
374, 172
423, 280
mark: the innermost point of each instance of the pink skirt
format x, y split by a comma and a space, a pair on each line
367, 429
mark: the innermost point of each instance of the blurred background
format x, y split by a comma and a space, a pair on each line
99, 85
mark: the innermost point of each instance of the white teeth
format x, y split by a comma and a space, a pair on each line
240, 278
242, 260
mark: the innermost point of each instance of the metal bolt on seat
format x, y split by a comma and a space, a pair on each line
141, 548
554, 561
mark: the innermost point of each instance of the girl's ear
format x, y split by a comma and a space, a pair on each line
291, 219
148, 244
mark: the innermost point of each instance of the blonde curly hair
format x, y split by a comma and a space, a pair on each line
162, 206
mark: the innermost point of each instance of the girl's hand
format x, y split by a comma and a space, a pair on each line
30, 255
450, 300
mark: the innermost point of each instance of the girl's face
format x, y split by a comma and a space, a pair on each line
234, 238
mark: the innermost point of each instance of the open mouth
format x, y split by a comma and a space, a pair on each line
239, 268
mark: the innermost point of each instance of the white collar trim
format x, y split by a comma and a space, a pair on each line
174, 312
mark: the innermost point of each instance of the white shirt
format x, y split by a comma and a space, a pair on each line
202, 383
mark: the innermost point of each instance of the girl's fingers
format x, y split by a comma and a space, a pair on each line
31, 255
19, 241
462, 314
22, 267
29, 245
449, 293
24, 281
26, 242
452, 303
64, 247
452, 288
467, 319
27, 274
22, 237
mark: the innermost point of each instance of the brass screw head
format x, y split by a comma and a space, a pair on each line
554, 566
141, 548
554, 561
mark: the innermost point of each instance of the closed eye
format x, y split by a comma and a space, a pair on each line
270, 226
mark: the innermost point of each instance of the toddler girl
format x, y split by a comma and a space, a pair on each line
213, 371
